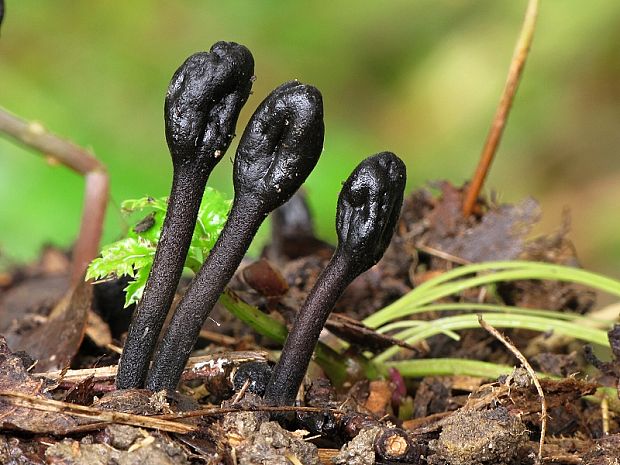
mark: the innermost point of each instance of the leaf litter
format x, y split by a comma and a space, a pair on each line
69, 390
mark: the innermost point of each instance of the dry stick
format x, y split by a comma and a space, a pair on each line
605, 415
441, 254
543, 402
501, 115
163, 422
203, 365
34, 135
49, 405
216, 411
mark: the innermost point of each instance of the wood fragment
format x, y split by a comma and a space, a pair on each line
326, 455
197, 366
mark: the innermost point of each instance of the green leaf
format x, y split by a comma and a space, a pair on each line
133, 255
121, 258
135, 288
454, 281
145, 203
211, 219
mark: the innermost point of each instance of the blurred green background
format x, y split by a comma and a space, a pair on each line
419, 77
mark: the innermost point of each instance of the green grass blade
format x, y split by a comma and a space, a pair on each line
442, 286
478, 307
449, 367
499, 320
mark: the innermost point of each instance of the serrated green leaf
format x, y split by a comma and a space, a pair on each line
121, 258
133, 256
135, 288
145, 203
211, 219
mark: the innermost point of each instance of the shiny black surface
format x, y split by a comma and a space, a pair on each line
278, 150
368, 210
201, 109
281, 145
203, 102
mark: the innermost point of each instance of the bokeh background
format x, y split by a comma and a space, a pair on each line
419, 77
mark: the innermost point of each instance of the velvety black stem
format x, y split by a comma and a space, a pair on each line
278, 150
196, 304
368, 209
201, 108
175, 238
289, 373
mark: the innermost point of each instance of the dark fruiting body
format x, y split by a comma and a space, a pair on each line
368, 209
1, 11
278, 150
292, 232
202, 105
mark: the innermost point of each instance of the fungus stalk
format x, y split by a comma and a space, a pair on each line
368, 210
201, 109
278, 150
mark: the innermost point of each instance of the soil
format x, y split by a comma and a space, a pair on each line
59, 347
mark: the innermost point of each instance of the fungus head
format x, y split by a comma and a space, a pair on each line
203, 102
368, 209
280, 145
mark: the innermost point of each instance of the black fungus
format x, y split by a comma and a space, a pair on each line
202, 105
278, 150
368, 210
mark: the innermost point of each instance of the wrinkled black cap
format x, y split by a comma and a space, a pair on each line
368, 209
280, 145
203, 103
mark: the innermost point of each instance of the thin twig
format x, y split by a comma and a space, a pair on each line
205, 365
34, 135
441, 254
49, 405
293, 458
543, 402
242, 391
494, 137
217, 411
221, 339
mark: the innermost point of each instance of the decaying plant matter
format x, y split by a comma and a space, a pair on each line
202, 105
278, 150
372, 416
368, 209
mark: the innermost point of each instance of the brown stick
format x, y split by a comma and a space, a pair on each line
494, 137
543, 401
202, 366
21, 399
34, 135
